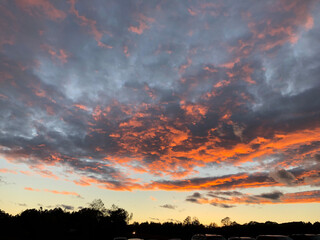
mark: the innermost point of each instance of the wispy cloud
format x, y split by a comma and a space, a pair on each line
53, 191
169, 206
225, 200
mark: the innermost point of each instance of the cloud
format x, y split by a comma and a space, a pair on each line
65, 207
32, 189
169, 206
275, 197
240, 180
194, 197
41, 6
84, 21
143, 24
173, 220
53, 191
283, 176
153, 198
154, 94
5, 170
222, 205
225, 193
2, 181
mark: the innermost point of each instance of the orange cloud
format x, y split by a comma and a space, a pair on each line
192, 13
82, 107
126, 51
302, 197
210, 69
183, 67
53, 191
176, 151
28, 173
153, 198
56, 54
5, 170
62, 192
144, 23
309, 22
196, 184
230, 64
221, 198
47, 174
209, 8
31, 189
193, 110
84, 21
270, 33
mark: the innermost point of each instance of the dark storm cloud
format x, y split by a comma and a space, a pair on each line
161, 87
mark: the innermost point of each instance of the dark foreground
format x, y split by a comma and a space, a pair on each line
91, 223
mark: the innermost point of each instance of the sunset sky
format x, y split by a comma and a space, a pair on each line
166, 108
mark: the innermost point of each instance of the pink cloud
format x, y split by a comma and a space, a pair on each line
144, 23
5, 170
53, 191
37, 7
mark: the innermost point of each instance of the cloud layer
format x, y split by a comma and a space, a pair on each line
154, 95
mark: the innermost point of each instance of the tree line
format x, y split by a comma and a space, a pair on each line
98, 222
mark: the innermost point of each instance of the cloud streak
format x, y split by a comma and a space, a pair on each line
225, 200
53, 191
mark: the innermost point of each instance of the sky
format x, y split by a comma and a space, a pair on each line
166, 108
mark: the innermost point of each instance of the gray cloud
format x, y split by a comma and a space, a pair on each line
222, 205
225, 193
2, 181
195, 197
276, 195
283, 176
22, 204
169, 206
65, 207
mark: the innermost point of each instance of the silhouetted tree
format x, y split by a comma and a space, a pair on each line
187, 221
226, 221
90, 223
213, 225
119, 215
98, 205
195, 221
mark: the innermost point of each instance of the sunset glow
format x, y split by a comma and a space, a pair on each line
211, 108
